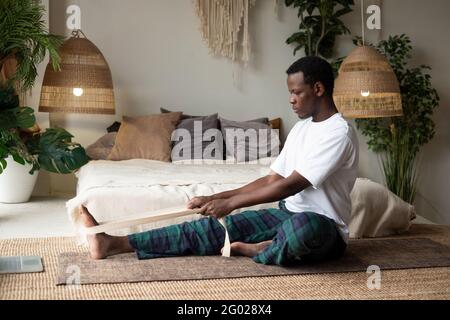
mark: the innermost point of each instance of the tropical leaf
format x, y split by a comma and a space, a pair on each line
3, 165
58, 154
17, 118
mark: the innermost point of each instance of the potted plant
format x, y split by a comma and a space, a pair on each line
24, 148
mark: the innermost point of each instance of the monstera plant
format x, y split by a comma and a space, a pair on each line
52, 150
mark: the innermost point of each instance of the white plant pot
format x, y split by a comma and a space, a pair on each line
16, 184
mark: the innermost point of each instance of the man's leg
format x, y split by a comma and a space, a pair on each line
305, 236
206, 236
201, 237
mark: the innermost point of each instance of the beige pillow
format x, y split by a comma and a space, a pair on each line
377, 212
146, 137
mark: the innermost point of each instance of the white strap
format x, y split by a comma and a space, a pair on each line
160, 215
135, 221
226, 251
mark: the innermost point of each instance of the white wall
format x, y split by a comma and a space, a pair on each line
157, 58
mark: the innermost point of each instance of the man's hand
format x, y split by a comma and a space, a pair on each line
198, 202
217, 208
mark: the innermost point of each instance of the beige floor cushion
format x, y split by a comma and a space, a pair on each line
377, 212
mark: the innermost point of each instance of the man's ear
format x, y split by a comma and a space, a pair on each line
319, 89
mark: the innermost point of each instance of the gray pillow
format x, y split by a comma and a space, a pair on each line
197, 138
249, 140
101, 148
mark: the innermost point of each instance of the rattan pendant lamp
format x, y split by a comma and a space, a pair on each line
367, 86
84, 83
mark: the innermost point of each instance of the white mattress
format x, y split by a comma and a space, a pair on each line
116, 189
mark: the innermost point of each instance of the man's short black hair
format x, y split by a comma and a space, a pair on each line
315, 69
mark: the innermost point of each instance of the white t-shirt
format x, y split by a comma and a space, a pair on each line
326, 154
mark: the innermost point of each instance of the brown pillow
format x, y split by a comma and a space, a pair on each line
145, 137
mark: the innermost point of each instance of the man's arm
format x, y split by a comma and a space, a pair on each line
252, 186
275, 191
279, 190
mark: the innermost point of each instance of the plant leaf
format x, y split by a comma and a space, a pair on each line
58, 154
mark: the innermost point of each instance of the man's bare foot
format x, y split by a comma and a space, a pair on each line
102, 245
248, 249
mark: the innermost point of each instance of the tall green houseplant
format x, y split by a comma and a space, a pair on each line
25, 40
398, 139
320, 24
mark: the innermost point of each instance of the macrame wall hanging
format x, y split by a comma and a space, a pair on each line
224, 27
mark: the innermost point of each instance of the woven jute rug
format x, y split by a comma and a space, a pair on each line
421, 283
385, 254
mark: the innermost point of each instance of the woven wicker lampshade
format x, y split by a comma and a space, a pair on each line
84, 83
367, 86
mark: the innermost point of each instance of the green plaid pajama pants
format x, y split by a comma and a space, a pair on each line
305, 236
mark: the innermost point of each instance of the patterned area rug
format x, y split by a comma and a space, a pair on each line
386, 254
421, 283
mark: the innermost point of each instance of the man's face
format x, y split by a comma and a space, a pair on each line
303, 98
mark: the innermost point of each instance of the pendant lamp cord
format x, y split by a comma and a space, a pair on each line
362, 22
